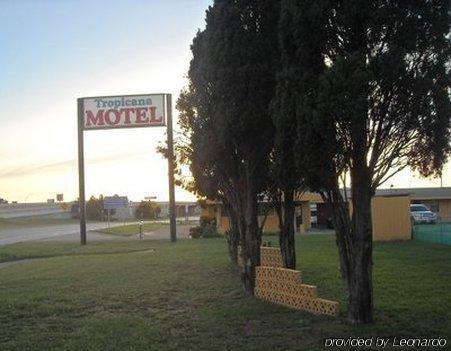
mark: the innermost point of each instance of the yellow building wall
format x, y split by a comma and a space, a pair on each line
444, 210
208, 211
223, 224
271, 222
306, 216
391, 218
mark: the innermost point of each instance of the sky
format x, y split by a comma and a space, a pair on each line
54, 51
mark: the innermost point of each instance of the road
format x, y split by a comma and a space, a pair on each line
11, 236
71, 233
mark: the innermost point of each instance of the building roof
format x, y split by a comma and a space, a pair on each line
414, 193
418, 193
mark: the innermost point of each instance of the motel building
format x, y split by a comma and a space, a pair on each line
390, 212
438, 200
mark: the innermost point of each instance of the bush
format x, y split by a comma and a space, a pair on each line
94, 209
206, 231
210, 231
147, 210
204, 221
270, 233
196, 232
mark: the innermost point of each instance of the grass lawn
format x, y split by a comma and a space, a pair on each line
131, 229
185, 296
17, 223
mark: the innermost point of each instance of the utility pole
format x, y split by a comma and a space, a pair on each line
172, 214
81, 174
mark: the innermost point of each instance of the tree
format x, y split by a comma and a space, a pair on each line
94, 209
243, 59
211, 163
378, 103
284, 184
147, 210
286, 173
231, 86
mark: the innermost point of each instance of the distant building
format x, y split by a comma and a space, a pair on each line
184, 209
390, 211
437, 199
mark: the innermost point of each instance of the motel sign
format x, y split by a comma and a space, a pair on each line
125, 111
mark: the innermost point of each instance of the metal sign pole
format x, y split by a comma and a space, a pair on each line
172, 213
81, 174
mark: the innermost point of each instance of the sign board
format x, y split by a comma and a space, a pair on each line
126, 111
115, 202
59, 197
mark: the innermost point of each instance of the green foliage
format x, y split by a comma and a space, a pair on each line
271, 233
204, 220
147, 210
94, 209
369, 84
371, 87
224, 111
206, 230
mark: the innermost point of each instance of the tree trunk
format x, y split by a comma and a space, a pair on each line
343, 229
361, 289
286, 238
233, 235
252, 238
354, 241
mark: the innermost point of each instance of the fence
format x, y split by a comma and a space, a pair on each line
438, 233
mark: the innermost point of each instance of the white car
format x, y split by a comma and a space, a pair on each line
421, 214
